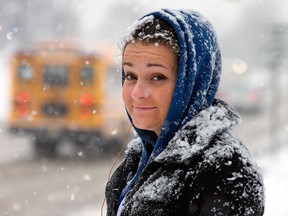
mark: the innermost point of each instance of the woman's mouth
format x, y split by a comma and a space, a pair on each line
143, 108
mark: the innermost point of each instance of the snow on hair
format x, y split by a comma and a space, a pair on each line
151, 30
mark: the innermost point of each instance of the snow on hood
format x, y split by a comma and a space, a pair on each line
198, 133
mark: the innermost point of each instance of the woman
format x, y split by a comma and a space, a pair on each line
187, 159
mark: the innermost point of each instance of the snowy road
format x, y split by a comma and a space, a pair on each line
45, 188
37, 187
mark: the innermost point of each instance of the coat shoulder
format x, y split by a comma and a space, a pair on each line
228, 175
134, 147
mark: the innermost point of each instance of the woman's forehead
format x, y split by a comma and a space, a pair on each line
147, 48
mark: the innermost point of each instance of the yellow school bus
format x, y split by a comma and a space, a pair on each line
62, 94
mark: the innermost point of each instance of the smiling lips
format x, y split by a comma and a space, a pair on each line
143, 108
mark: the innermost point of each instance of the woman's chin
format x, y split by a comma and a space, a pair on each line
146, 127
143, 126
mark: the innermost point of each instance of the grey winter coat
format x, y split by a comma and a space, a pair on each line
205, 170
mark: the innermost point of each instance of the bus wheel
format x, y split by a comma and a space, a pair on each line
44, 148
112, 146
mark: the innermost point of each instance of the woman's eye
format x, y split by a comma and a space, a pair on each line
158, 77
130, 77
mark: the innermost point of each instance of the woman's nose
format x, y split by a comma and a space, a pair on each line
140, 91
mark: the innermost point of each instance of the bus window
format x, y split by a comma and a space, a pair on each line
56, 75
25, 71
87, 75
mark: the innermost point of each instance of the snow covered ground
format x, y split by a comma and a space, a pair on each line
274, 166
275, 170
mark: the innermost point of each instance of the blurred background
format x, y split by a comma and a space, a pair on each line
80, 37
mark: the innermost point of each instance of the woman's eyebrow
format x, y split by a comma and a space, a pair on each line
156, 65
127, 63
148, 65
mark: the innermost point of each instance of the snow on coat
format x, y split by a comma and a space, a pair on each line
205, 170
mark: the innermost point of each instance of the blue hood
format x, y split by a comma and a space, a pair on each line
197, 82
198, 72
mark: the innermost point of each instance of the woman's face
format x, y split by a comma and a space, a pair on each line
150, 79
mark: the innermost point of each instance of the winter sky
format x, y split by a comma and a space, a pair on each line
222, 13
